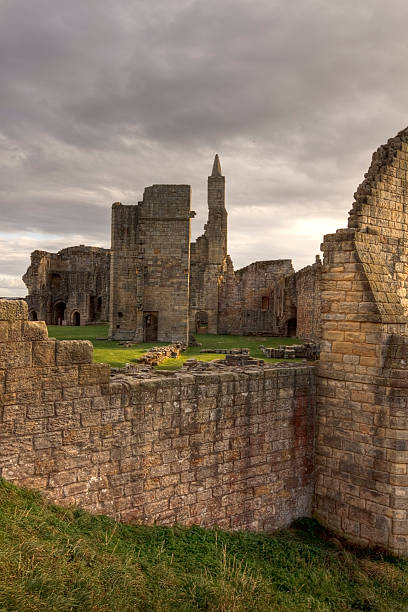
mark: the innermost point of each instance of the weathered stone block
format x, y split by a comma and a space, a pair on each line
44, 353
73, 351
13, 310
94, 374
15, 354
34, 330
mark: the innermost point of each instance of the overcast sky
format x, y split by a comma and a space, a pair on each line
100, 98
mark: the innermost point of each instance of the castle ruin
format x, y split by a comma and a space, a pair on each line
70, 287
244, 447
160, 286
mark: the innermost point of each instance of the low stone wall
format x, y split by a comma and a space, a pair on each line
232, 449
308, 350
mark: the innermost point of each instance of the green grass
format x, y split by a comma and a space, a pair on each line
61, 560
105, 351
108, 351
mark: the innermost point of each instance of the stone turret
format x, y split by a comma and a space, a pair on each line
216, 227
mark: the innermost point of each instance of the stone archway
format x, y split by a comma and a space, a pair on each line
58, 317
33, 315
76, 318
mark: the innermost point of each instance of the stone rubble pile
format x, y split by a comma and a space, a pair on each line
158, 354
308, 350
233, 351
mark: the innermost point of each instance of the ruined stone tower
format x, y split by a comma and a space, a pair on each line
208, 258
150, 266
160, 283
216, 228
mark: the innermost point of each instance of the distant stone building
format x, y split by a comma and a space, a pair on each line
150, 265
209, 259
268, 298
162, 287
70, 287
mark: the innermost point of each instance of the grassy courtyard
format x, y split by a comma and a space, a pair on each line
109, 351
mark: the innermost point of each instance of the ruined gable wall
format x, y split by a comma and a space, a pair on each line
232, 449
362, 440
77, 276
241, 293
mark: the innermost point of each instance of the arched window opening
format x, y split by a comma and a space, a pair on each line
33, 316
265, 302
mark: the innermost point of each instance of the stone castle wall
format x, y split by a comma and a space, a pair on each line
232, 449
246, 307
70, 287
236, 448
151, 266
362, 437
308, 302
268, 298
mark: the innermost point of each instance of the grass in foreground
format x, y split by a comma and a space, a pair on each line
109, 351
55, 559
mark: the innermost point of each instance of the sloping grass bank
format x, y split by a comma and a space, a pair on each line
108, 351
60, 560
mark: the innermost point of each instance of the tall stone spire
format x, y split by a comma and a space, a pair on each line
216, 226
216, 171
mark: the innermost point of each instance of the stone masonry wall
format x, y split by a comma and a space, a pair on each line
308, 302
151, 266
232, 449
362, 435
242, 308
71, 286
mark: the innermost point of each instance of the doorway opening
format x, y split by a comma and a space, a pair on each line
59, 313
201, 321
292, 326
76, 318
150, 324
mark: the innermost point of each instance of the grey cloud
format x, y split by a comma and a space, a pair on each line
99, 99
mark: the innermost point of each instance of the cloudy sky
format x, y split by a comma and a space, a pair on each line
99, 98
